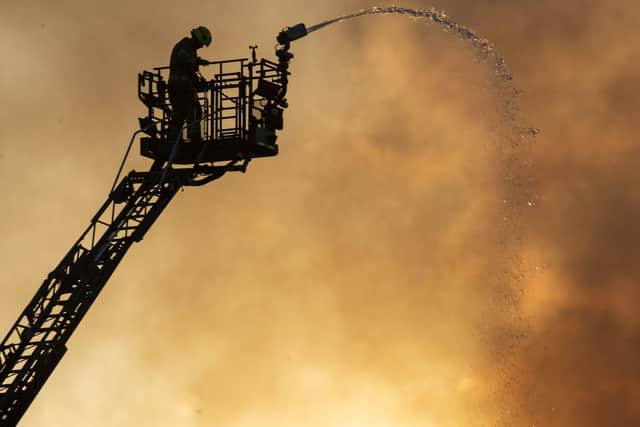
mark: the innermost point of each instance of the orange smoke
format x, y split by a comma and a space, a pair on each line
395, 265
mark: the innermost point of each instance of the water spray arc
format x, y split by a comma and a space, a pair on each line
483, 47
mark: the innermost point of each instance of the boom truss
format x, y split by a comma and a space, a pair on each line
37, 341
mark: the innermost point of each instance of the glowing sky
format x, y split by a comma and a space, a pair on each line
385, 269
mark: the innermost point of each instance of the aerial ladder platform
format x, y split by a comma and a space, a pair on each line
242, 106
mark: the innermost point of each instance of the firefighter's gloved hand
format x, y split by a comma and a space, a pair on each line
201, 84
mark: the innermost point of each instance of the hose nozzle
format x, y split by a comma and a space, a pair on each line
289, 34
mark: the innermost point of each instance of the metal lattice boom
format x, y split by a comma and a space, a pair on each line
37, 341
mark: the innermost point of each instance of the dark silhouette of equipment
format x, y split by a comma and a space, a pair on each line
242, 108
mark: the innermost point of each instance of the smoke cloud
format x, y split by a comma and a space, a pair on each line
407, 259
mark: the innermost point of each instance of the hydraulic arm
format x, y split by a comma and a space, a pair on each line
37, 341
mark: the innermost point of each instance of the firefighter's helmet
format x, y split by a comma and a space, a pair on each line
202, 35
